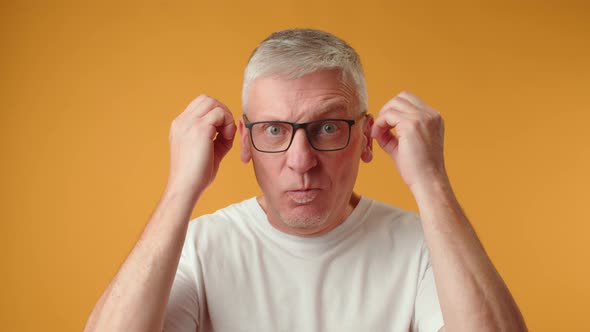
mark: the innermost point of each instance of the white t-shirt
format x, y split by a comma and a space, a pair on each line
239, 273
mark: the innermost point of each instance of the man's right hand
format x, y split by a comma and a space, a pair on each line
199, 138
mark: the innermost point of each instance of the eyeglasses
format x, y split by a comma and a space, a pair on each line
322, 135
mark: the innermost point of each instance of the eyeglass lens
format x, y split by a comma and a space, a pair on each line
274, 136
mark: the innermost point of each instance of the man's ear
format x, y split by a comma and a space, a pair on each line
245, 154
367, 153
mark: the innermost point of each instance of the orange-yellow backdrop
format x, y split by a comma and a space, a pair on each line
89, 92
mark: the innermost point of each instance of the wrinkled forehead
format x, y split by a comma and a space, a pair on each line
319, 94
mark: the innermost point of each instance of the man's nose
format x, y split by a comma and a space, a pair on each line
301, 156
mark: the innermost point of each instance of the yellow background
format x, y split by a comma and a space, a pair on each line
88, 93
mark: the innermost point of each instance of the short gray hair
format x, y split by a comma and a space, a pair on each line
295, 53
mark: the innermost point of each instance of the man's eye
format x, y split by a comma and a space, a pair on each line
274, 130
329, 127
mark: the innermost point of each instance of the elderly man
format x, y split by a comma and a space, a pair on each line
309, 254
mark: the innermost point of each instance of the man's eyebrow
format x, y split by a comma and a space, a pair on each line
333, 109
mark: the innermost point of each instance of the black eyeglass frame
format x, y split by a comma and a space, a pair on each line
303, 125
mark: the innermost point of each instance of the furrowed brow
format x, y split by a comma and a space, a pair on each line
334, 108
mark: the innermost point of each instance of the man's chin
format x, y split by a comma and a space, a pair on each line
304, 215
303, 221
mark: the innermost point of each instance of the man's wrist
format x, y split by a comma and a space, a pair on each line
433, 182
180, 194
433, 191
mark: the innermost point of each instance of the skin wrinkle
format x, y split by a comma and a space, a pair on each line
336, 109
348, 88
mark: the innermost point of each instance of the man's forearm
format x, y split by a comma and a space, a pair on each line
472, 295
136, 298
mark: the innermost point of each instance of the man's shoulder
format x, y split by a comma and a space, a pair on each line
243, 209
398, 221
391, 213
234, 217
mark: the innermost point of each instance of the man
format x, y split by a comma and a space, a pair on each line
309, 254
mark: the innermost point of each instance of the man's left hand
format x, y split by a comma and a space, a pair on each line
417, 147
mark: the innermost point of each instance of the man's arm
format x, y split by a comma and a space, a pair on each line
136, 298
472, 295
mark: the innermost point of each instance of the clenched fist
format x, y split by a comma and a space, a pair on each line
199, 138
417, 150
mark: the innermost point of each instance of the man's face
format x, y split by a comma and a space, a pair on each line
306, 192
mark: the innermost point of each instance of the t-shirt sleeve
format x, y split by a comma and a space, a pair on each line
182, 311
427, 313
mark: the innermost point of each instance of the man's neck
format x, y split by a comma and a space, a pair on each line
320, 230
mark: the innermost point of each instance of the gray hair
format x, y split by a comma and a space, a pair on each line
295, 53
